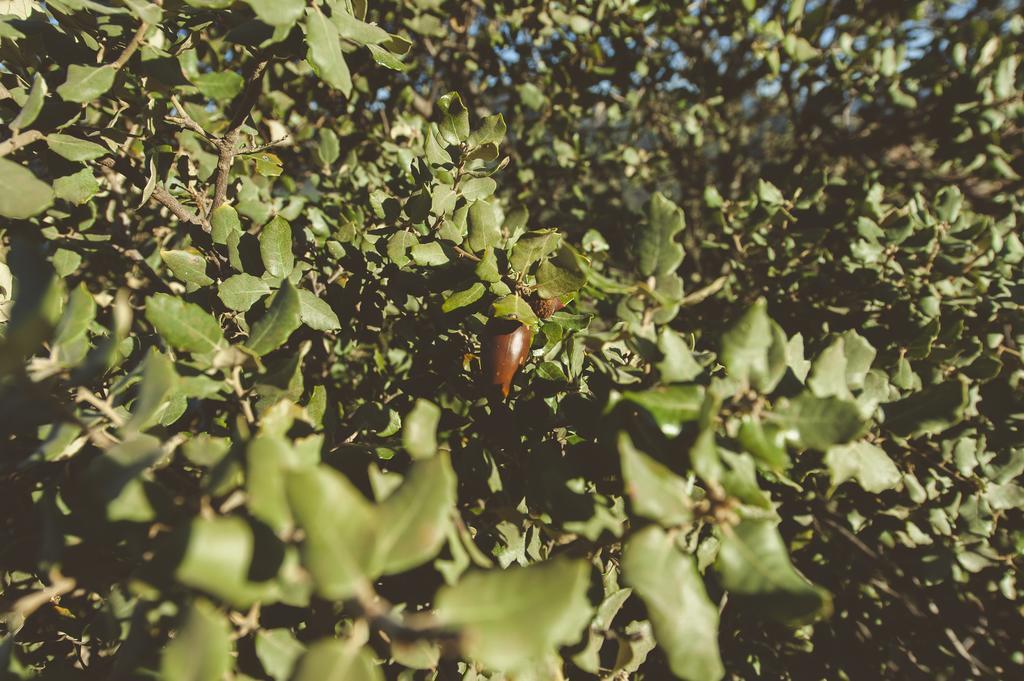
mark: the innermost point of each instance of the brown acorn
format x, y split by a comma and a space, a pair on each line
545, 307
503, 349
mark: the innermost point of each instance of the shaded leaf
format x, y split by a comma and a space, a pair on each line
325, 51
276, 248
86, 83
655, 492
756, 570
419, 430
929, 411
338, 547
240, 291
185, 326
333, 660
684, 618
316, 313
414, 520
869, 465
202, 650
22, 195
512, 618
657, 251
273, 329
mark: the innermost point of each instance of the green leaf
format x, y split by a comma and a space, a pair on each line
1005, 496
188, 266
684, 618
358, 31
429, 254
484, 226
929, 411
115, 479
454, 124
859, 357
329, 148
316, 313
769, 195
799, 48
464, 297
333, 660
756, 571
657, 251
22, 195
531, 248
419, 430
77, 188
434, 148
268, 459
338, 547
387, 59
158, 380
550, 371
223, 222
671, 406
278, 12
654, 491
487, 268
33, 105
210, 4
398, 247
514, 307
745, 345
66, 262
325, 51
820, 422
276, 248
869, 465
560, 276
512, 618
828, 372
220, 86
413, 522
278, 651
240, 291
218, 556
477, 189
268, 164
765, 441
146, 11
184, 326
795, 12
78, 314
491, 131
202, 650
273, 329
86, 83
678, 366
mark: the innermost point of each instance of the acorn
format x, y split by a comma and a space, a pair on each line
545, 307
503, 349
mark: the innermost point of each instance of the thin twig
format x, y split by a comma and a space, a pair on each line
262, 147
160, 193
377, 612
702, 294
103, 406
236, 384
132, 47
20, 140
185, 120
466, 254
26, 605
228, 142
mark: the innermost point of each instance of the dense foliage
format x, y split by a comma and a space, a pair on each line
248, 253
